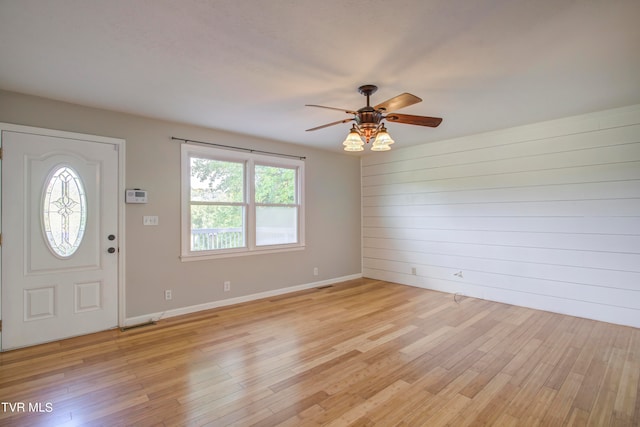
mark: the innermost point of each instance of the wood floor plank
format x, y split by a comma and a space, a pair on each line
529, 391
560, 408
360, 353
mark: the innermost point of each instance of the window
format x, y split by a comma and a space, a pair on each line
276, 205
64, 211
239, 203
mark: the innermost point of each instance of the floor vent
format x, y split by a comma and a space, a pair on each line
325, 287
139, 325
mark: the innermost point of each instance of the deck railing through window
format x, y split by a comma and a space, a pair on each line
203, 239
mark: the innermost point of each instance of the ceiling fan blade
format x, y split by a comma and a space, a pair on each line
330, 108
331, 124
398, 102
414, 120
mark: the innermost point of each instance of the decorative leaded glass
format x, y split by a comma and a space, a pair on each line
64, 211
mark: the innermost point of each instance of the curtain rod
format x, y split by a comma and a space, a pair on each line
250, 150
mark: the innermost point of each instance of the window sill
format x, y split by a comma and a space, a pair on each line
204, 257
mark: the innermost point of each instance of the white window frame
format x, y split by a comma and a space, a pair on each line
250, 160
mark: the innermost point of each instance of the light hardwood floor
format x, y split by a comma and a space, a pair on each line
363, 352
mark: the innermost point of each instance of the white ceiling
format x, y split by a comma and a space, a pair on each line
249, 66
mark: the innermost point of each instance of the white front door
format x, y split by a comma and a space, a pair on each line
59, 237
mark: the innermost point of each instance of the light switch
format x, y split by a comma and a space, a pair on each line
150, 220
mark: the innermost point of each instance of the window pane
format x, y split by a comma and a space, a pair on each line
64, 211
275, 185
276, 225
217, 227
216, 180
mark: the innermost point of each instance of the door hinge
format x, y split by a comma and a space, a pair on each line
0, 325
0, 153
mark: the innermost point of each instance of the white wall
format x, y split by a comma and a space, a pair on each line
545, 216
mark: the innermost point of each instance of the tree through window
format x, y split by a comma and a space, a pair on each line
217, 208
276, 207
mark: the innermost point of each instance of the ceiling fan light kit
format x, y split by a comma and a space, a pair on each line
354, 141
383, 140
369, 123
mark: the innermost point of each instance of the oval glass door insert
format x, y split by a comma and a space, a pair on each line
64, 211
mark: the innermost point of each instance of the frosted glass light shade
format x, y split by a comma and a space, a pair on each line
353, 141
382, 141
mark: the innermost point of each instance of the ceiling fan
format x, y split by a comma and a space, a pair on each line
369, 120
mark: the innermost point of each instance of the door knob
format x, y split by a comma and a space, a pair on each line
111, 237
111, 250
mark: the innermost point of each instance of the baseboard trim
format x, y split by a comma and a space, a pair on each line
154, 317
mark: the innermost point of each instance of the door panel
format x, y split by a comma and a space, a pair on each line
60, 202
40, 257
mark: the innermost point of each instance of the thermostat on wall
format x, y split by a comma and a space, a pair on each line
136, 195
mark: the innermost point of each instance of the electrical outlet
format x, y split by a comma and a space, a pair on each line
315, 271
168, 295
227, 286
414, 271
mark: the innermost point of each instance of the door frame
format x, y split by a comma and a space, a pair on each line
120, 145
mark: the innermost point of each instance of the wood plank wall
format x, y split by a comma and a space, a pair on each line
544, 216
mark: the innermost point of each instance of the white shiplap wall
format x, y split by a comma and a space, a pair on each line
544, 216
